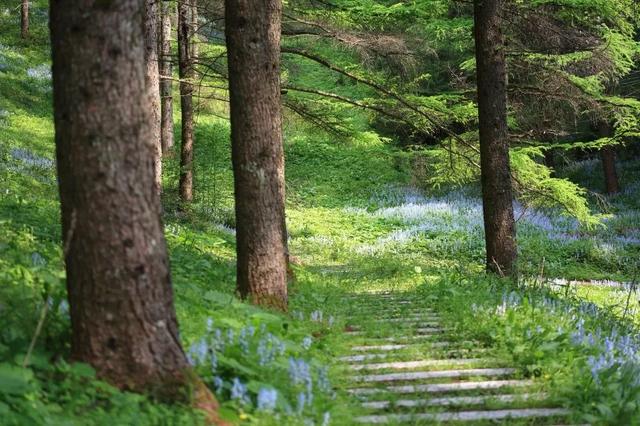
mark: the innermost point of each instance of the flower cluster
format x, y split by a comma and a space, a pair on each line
301, 378
239, 392
30, 159
315, 316
307, 342
258, 346
509, 300
460, 214
612, 352
267, 399
624, 285
269, 347
41, 73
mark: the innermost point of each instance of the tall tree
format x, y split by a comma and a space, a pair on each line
497, 198
186, 32
121, 301
166, 82
24, 19
152, 78
608, 157
253, 43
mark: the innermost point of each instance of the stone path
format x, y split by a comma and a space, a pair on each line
405, 368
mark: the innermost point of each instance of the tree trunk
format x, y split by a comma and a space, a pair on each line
497, 198
253, 43
166, 82
186, 9
152, 78
608, 156
122, 314
24, 19
194, 29
549, 159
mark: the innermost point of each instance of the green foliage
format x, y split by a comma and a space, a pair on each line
539, 189
545, 332
70, 394
619, 14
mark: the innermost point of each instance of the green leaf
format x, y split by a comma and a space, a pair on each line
265, 317
80, 369
255, 386
218, 298
15, 380
235, 366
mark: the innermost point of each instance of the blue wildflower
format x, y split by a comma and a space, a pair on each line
306, 342
218, 383
239, 391
326, 418
302, 400
267, 399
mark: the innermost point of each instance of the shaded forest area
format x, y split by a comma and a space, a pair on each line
319, 212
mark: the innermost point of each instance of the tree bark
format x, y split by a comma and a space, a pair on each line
186, 10
121, 300
608, 157
166, 82
24, 19
253, 43
152, 78
499, 223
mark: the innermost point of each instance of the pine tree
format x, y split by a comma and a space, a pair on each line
186, 70
497, 198
152, 78
166, 81
118, 280
253, 42
24, 19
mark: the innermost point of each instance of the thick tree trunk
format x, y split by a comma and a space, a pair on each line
499, 223
152, 78
608, 156
118, 279
24, 19
166, 82
253, 43
186, 10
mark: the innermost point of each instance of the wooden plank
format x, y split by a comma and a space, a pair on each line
425, 375
466, 416
443, 387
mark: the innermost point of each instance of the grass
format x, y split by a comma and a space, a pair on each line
355, 225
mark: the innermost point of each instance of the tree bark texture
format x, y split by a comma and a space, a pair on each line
118, 279
24, 19
608, 157
166, 82
253, 43
152, 78
186, 10
497, 197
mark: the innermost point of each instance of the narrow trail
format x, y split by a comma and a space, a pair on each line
404, 367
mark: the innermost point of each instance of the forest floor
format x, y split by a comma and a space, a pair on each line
359, 223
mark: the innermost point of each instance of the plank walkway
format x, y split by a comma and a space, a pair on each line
404, 368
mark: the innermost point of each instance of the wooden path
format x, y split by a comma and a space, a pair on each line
404, 367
